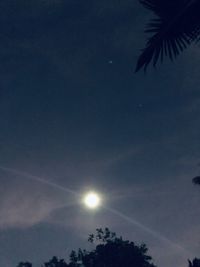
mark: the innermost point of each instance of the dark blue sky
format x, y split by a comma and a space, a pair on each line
73, 112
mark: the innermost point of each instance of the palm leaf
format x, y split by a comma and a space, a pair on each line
177, 25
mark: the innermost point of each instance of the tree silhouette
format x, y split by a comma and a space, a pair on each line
55, 262
112, 251
76, 258
24, 264
177, 25
194, 263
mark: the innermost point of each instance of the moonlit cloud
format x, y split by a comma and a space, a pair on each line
27, 203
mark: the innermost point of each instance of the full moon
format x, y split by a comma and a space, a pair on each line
92, 200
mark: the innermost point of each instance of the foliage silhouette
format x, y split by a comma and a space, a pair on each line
112, 251
24, 264
194, 263
196, 180
177, 25
55, 262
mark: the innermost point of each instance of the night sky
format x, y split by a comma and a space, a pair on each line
74, 113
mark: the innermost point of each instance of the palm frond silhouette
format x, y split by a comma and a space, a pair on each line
176, 26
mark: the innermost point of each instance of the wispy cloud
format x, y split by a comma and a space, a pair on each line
26, 203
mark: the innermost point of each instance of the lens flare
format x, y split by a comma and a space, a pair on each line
93, 200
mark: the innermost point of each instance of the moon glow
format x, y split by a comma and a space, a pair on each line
92, 200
